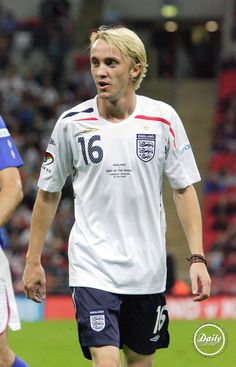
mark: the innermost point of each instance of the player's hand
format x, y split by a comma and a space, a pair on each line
34, 281
200, 281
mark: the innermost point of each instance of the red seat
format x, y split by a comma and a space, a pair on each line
223, 161
227, 83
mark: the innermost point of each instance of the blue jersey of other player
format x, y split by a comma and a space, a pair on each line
9, 155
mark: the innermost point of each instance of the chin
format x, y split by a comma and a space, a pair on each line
104, 95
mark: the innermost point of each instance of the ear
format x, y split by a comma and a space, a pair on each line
135, 71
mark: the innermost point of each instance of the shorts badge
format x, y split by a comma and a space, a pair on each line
97, 321
145, 146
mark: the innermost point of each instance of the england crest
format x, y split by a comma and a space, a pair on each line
145, 146
97, 321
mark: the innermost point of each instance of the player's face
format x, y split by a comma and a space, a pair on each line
110, 70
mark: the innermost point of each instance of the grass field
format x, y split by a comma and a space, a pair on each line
54, 344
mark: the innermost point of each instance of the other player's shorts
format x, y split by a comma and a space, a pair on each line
8, 310
138, 321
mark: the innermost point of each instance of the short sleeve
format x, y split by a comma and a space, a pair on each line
57, 162
180, 165
9, 155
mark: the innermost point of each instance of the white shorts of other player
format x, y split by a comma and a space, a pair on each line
9, 316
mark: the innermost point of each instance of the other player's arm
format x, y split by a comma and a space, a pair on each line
189, 213
42, 216
11, 193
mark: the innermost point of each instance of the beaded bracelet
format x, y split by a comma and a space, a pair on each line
196, 258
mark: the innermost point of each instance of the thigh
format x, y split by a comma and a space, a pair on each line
144, 323
97, 314
138, 360
105, 356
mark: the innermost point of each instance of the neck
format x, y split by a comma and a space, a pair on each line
116, 111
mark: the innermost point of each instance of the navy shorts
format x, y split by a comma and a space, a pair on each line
138, 321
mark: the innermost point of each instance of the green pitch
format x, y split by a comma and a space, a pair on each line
54, 344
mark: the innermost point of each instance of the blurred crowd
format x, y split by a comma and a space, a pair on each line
41, 75
220, 187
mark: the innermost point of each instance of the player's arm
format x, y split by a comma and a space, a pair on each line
42, 216
11, 193
189, 213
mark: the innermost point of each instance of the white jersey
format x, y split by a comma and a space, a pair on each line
117, 242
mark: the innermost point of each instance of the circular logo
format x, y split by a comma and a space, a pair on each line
48, 158
210, 340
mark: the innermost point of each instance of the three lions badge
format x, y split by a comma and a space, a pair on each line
145, 146
97, 320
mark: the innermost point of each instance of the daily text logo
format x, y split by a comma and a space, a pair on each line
210, 340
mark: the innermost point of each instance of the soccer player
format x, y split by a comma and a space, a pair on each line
11, 195
117, 147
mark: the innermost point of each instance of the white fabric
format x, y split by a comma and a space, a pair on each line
8, 309
118, 240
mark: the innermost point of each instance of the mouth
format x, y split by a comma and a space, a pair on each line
103, 85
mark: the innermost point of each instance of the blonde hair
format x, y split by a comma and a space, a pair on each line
128, 43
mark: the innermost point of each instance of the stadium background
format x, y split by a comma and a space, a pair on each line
44, 70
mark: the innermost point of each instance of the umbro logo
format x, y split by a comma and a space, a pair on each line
155, 338
52, 141
88, 130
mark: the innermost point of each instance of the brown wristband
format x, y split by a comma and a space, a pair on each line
196, 258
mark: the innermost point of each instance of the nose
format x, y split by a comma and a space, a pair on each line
101, 70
